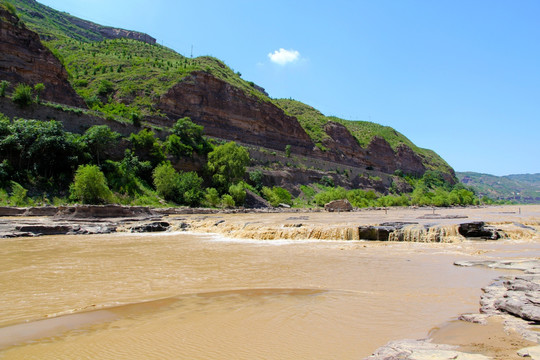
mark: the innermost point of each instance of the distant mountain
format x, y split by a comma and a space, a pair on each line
523, 188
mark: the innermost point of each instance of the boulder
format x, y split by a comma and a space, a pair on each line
158, 226
478, 229
254, 201
338, 205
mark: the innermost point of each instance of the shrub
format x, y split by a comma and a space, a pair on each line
105, 87
18, 195
330, 194
211, 197
256, 177
90, 186
4, 84
277, 195
38, 89
22, 95
227, 201
288, 151
238, 193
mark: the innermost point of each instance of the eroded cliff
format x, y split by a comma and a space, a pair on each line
24, 59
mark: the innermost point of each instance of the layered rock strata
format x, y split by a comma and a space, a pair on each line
227, 112
24, 59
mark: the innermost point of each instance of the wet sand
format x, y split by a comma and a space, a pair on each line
490, 339
178, 295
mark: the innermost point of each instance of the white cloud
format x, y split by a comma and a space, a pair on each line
283, 57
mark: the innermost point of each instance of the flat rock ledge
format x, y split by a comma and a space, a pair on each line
421, 350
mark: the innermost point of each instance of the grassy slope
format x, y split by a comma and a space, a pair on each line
503, 187
141, 73
313, 123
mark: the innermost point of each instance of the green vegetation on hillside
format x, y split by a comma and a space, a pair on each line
83, 169
519, 188
314, 121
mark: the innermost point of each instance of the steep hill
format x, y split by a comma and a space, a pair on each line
117, 73
523, 188
25, 60
52, 24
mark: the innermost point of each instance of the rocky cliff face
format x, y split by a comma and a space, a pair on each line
227, 112
111, 33
24, 59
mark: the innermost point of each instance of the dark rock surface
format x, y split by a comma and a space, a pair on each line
254, 201
158, 226
24, 59
478, 229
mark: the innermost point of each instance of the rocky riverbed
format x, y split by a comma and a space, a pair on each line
410, 224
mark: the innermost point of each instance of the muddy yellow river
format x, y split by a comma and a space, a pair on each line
185, 296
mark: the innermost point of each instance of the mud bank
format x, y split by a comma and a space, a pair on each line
403, 225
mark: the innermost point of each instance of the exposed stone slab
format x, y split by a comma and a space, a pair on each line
421, 350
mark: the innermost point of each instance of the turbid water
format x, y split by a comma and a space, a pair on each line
185, 296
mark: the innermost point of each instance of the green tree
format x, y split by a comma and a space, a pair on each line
38, 89
90, 186
227, 164
4, 84
165, 181
147, 146
22, 95
186, 137
189, 189
100, 138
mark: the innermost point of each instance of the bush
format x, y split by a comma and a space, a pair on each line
256, 177
330, 194
227, 201
183, 188
90, 186
22, 95
238, 193
4, 84
38, 89
277, 195
18, 195
105, 87
211, 197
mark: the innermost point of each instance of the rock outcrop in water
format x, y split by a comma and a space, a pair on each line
515, 298
24, 59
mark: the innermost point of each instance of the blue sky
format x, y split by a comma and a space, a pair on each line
460, 77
